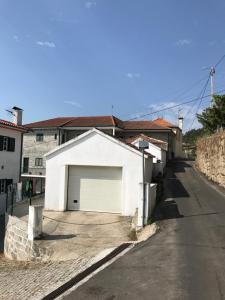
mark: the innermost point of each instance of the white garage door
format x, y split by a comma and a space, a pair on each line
94, 189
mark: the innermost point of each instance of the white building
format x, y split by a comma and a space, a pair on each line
96, 172
10, 154
156, 148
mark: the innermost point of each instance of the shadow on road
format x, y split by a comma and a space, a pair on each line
48, 237
174, 191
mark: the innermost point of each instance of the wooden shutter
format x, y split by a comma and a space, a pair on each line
11, 144
1, 143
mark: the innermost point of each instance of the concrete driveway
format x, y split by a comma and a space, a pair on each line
72, 235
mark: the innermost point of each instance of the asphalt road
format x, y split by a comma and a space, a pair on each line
185, 260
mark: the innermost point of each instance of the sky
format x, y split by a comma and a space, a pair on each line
102, 57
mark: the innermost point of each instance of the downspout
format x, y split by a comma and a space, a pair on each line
59, 137
114, 131
21, 155
143, 175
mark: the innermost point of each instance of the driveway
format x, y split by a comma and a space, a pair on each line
184, 261
75, 240
70, 235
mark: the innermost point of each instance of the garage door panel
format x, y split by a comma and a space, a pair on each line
95, 188
100, 195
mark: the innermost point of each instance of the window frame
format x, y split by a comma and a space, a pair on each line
38, 162
2, 186
39, 137
7, 143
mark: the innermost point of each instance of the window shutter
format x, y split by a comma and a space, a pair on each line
8, 182
11, 144
1, 143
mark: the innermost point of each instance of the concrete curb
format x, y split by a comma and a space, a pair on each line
73, 282
100, 262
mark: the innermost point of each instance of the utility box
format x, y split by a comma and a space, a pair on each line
143, 145
35, 221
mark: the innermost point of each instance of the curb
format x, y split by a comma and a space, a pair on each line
99, 265
76, 279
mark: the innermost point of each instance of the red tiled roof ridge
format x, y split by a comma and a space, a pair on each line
13, 125
149, 138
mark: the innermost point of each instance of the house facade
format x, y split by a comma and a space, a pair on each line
157, 148
46, 135
97, 172
11, 135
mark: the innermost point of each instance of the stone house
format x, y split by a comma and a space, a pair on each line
44, 136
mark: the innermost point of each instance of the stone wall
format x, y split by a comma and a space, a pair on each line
210, 158
16, 243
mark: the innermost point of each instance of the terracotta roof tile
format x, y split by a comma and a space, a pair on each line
144, 125
7, 124
94, 121
163, 145
164, 123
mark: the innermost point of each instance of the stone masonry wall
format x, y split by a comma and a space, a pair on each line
16, 243
211, 157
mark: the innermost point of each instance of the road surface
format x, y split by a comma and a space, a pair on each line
185, 260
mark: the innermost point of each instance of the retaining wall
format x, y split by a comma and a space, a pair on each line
16, 243
210, 158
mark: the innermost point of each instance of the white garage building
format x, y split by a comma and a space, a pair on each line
96, 172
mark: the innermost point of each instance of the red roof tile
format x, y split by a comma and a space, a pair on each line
164, 123
10, 125
94, 121
143, 125
159, 143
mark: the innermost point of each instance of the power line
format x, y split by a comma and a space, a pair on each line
200, 102
178, 93
173, 106
219, 61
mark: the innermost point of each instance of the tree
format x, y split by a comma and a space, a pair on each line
213, 117
191, 136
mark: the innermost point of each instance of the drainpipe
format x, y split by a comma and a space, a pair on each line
143, 174
113, 131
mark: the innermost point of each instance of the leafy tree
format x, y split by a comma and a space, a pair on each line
213, 117
191, 136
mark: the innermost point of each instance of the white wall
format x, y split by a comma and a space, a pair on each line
159, 154
95, 150
10, 162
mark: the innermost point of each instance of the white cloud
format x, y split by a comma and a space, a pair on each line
212, 43
16, 38
188, 111
46, 44
133, 75
183, 42
73, 103
90, 4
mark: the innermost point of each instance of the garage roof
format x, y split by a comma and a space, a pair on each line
121, 142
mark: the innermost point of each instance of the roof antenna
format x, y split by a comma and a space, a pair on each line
112, 108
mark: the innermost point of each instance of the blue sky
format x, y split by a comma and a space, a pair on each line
80, 57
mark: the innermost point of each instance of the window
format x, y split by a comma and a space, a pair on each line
25, 164
11, 144
55, 136
2, 186
7, 143
38, 162
8, 185
39, 137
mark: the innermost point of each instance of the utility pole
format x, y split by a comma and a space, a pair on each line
212, 74
112, 108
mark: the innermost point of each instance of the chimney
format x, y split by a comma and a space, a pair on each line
180, 123
17, 115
